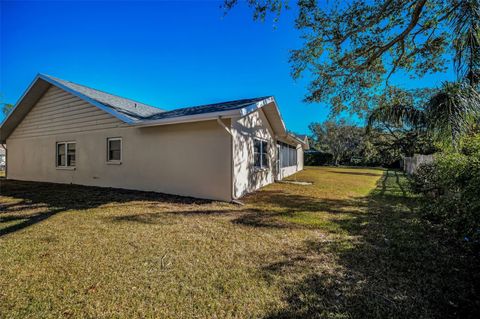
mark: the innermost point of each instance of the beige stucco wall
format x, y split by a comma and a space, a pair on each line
246, 177
191, 159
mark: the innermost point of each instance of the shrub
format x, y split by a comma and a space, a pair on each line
451, 189
317, 158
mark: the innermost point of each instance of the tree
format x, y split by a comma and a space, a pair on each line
6, 108
351, 49
338, 138
452, 112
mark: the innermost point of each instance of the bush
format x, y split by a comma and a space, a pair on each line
451, 189
317, 158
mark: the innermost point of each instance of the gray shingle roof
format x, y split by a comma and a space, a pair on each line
132, 109
208, 108
140, 112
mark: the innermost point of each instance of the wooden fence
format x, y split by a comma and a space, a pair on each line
411, 164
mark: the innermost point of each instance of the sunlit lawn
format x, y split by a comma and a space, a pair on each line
349, 245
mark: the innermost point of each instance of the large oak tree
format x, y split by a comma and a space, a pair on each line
352, 48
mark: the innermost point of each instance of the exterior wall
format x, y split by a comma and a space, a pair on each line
300, 158
59, 112
192, 159
246, 177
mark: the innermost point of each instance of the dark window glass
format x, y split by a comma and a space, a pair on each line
264, 154
257, 157
61, 154
260, 153
70, 154
114, 150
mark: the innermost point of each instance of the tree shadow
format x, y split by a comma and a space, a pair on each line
39, 201
392, 266
354, 173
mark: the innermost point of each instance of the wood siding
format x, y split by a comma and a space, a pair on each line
59, 112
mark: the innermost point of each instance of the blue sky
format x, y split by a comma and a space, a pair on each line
167, 54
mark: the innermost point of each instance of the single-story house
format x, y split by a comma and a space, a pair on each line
63, 132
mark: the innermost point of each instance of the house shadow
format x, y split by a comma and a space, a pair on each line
41, 201
393, 266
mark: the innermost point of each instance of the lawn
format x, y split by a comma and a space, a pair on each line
348, 246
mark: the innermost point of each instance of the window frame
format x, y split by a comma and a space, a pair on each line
114, 161
65, 144
263, 153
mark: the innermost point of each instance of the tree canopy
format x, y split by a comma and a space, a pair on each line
352, 48
338, 138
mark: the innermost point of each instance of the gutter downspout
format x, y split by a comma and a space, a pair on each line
220, 122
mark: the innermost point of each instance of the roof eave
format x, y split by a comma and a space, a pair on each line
209, 116
15, 110
260, 104
101, 106
188, 118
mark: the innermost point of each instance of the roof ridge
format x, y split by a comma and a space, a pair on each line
102, 91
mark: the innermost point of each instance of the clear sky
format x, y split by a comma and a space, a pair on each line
166, 54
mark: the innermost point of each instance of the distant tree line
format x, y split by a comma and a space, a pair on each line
338, 142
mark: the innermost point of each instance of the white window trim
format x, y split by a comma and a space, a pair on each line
261, 167
65, 167
114, 162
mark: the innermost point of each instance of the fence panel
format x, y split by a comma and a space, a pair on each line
411, 164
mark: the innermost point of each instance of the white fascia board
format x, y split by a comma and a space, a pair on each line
249, 109
20, 99
255, 106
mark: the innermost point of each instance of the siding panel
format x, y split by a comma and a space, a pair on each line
59, 112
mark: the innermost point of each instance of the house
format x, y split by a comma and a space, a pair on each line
63, 132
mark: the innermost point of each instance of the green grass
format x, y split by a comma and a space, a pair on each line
348, 246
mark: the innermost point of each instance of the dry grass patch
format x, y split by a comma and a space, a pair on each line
346, 246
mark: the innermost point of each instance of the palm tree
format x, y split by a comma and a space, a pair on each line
465, 24
455, 108
448, 115
453, 111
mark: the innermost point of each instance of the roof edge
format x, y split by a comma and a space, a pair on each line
82, 96
188, 118
211, 116
20, 99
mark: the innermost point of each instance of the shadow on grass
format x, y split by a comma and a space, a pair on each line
391, 266
353, 173
45, 200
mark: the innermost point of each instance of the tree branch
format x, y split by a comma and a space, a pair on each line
415, 17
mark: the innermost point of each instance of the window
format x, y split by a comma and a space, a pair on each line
66, 154
114, 149
288, 155
260, 153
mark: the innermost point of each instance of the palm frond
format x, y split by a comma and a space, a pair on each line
453, 111
397, 115
465, 23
